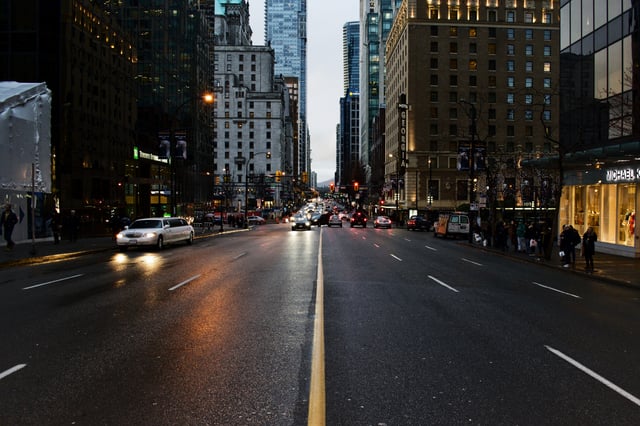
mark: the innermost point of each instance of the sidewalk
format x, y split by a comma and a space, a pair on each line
608, 268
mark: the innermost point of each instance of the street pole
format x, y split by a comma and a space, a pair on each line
246, 185
472, 166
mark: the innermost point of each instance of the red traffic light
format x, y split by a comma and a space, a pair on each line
356, 186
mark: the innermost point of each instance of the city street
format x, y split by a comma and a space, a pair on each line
418, 330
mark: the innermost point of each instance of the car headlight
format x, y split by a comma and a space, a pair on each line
307, 223
119, 235
150, 234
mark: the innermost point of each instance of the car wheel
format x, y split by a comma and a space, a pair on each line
190, 239
160, 243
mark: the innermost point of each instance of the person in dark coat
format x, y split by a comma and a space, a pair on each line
589, 247
8, 221
56, 226
565, 245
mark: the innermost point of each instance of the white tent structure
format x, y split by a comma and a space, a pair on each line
25, 152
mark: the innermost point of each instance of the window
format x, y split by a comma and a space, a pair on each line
453, 14
547, 35
492, 97
511, 34
491, 48
511, 115
528, 66
434, 63
453, 131
528, 34
528, 82
511, 65
473, 48
492, 15
546, 115
434, 47
547, 99
434, 31
491, 80
453, 64
528, 130
473, 15
433, 129
453, 80
510, 98
547, 18
434, 96
453, 113
453, 97
433, 79
547, 67
528, 115
528, 50
492, 65
547, 50
511, 130
511, 16
453, 47
473, 32
473, 65
528, 17
473, 80
547, 83
433, 112
528, 99
492, 113
511, 82
511, 50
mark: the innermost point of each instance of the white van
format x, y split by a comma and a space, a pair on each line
452, 224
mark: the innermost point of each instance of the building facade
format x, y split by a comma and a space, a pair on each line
600, 121
251, 118
469, 94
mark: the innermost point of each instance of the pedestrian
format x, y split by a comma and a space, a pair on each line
8, 221
565, 245
521, 230
56, 226
589, 247
73, 226
574, 240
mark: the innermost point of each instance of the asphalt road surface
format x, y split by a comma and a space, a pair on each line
417, 331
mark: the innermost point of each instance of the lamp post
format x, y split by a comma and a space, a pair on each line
206, 98
472, 166
429, 194
246, 183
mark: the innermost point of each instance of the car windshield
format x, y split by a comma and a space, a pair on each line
146, 224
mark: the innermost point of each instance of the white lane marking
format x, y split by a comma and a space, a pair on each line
431, 248
396, 257
187, 281
555, 289
240, 255
443, 284
12, 370
53, 282
595, 375
471, 261
407, 239
376, 245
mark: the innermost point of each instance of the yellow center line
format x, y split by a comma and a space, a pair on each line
316, 415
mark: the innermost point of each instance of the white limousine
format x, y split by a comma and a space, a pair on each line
155, 231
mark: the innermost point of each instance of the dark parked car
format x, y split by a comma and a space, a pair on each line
418, 223
319, 219
358, 218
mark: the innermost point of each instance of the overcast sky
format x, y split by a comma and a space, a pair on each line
325, 19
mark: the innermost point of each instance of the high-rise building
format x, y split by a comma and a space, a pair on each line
600, 121
470, 92
376, 18
286, 32
348, 162
251, 117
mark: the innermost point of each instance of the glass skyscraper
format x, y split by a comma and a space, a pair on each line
286, 32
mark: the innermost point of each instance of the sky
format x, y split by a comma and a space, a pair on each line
325, 19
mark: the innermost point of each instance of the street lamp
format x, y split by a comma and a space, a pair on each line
206, 98
472, 166
246, 182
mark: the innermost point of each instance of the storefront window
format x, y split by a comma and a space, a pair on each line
626, 213
578, 207
593, 208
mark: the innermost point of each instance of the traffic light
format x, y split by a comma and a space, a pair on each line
332, 187
382, 202
217, 180
356, 186
278, 175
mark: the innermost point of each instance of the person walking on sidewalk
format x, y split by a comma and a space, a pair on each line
8, 221
589, 247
